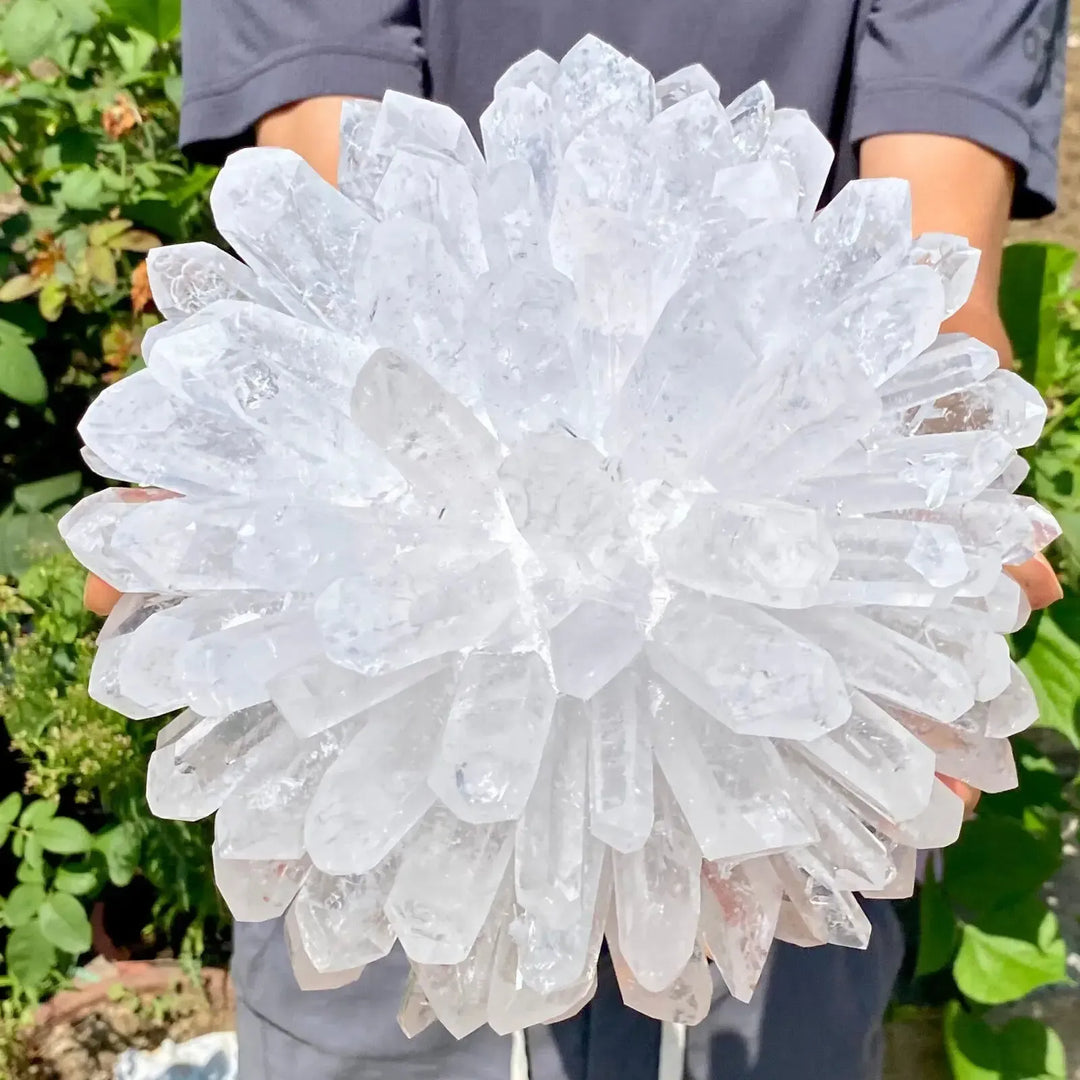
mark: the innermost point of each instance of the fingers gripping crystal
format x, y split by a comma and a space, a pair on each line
586, 536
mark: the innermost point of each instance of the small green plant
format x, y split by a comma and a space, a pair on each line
985, 935
90, 180
81, 756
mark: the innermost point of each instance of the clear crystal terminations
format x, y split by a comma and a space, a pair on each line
580, 538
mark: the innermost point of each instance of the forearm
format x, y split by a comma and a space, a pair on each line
310, 128
957, 187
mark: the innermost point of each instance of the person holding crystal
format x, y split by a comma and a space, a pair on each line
961, 98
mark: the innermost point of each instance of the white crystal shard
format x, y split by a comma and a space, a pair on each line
339, 921
621, 763
747, 669
376, 790
441, 925
733, 789
740, 905
587, 536
255, 891
495, 733
658, 897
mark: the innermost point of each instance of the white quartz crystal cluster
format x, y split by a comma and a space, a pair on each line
583, 537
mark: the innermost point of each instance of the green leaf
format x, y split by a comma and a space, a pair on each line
74, 881
1034, 281
161, 18
82, 189
30, 957
34, 853
20, 374
104, 231
938, 928
64, 923
28, 30
38, 811
1049, 655
120, 846
1023, 1049
23, 904
51, 300
996, 862
31, 875
64, 836
42, 494
101, 263
995, 968
138, 240
80, 15
24, 539
9, 808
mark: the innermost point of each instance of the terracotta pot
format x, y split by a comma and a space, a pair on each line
144, 978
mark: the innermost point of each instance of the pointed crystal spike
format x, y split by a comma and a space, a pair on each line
440, 926
376, 790
795, 139
829, 912
200, 759
359, 170
685, 82
262, 818
339, 920
309, 977
458, 993
257, 891
621, 763
889, 665
186, 278
658, 897
416, 1014
740, 904
763, 552
951, 363
407, 122
114, 643
599, 87
685, 1001
733, 789
495, 733
954, 259
751, 115
304, 239
865, 233
535, 69
876, 759
754, 674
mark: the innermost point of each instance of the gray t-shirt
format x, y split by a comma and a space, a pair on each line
987, 70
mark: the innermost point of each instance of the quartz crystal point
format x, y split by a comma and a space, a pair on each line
586, 535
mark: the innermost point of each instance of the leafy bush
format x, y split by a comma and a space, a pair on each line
90, 179
84, 757
984, 935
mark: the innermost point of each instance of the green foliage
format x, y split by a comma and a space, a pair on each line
90, 180
986, 936
78, 755
1022, 1049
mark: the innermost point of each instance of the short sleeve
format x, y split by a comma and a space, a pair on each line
244, 58
992, 71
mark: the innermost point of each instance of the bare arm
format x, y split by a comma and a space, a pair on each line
310, 128
957, 187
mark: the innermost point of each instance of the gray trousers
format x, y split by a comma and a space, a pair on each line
816, 1016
